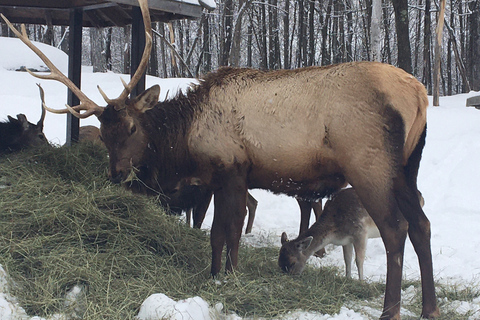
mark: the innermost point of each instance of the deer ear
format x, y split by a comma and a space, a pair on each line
148, 99
305, 243
284, 238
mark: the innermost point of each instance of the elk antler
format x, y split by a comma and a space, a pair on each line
142, 66
85, 103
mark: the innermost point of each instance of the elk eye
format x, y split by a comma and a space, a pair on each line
133, 129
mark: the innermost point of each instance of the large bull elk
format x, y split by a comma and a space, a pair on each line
304, 132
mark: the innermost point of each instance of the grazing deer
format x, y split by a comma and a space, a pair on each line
344, 222
16, 134
305, 133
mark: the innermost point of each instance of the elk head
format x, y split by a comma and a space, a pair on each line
120, 127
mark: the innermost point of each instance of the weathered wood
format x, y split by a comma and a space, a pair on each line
474, 102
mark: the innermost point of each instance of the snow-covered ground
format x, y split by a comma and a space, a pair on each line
449, 180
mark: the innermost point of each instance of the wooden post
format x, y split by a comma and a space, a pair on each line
74, 71
138, 44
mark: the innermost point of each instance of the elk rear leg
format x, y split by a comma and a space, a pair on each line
383, 209
419, 233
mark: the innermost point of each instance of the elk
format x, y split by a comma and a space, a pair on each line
305, 132
344, 222
90, 133
16, 134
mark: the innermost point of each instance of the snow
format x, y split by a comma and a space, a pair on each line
448, 179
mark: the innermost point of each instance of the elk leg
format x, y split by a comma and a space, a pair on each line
383, 209
230, 210
419, 233
252, 208
305, 210
200, 210
317, 210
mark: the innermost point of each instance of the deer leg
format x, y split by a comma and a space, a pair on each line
419, 233
360, 246
252, 208
200, 210
347, 256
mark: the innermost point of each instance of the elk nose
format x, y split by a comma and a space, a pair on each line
116, 177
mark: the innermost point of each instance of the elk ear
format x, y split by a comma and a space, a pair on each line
23, 120
284, 238
304, 244
148, 99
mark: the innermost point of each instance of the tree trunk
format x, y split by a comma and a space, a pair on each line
286, 35
126, 50
403, 40
108, 49
438, 54
376, 31
227, 33
427, 65
386, 26
97, 53
326, 58
311, 34
473, 52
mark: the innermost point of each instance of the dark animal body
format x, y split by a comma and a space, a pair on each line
304, 133
16, 134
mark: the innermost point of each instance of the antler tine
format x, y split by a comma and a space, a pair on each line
42, 97
55, 74
142, 66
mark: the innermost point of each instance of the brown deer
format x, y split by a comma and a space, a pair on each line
305, 133
344, 222
16, 134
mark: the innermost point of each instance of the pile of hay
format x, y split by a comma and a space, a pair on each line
63, 224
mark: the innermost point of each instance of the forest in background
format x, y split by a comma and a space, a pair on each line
275, 34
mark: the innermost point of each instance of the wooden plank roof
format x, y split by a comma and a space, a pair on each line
97, 13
